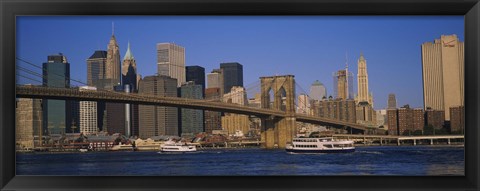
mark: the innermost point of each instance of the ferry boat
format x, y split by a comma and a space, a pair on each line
172, 146
319, 145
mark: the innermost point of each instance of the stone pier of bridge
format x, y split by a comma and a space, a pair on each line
277, 131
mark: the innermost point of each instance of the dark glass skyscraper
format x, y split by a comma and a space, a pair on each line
57, 114
191, 119
197, 75
232, 75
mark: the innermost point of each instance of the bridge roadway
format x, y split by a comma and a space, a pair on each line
144, 99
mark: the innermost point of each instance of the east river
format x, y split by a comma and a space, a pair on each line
372, 160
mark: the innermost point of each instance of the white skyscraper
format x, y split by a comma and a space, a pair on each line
88, 113
317, 91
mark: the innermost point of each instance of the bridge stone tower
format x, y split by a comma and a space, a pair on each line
276, 132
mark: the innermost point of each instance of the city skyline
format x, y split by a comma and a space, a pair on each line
315, 51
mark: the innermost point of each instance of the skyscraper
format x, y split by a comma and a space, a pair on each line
443, 73
191, 119
129, 78
232, 75
113, 68
96, 67
362, 77
197, 75
56, 113
343, 84
303, 104
157, 120
129, 70
88, 114
392, 101
212, 118
318, 91
236, 122
96, 77
171, 61
215, 80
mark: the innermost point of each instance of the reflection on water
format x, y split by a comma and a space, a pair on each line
388, 160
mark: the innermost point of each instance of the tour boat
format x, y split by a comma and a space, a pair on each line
172, 146
319, 145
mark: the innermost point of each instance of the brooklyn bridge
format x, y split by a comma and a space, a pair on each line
278, 116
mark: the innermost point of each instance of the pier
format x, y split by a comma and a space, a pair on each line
402, 140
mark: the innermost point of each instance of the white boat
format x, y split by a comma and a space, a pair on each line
172, 146
83, 150
319, 145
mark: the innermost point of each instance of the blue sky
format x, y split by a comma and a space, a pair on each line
309, 47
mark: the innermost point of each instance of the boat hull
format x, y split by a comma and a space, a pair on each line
321, 151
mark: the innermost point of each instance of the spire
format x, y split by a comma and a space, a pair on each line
113, 28
361, 56
128, 54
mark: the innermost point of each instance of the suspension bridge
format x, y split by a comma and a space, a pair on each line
277, 109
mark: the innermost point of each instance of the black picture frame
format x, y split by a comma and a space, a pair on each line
10, 9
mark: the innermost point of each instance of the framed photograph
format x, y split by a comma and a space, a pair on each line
239, 95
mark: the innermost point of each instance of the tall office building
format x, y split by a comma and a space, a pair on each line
318, 91
129, 70
392, 101
112, 67
96, 77
191, 119
197, 75
171, 61
129, 78
88, 114
28, 123
96, 67
215, 80
343, 84
213, 119
116, 117
362, 77
157, 120
57, 114
232, 75
443, 73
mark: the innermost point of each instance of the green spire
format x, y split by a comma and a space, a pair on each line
128, 55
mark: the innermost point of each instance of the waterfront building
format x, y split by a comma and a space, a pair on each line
362, 77
232, 75
171, 61
443, 73
158, 120
197, 75
28, 123
212, 118
303, 104
418, 119
112, 67
343, 84
233, 122
405, 120
457, 119
392, 101
392, 120
191, 119
381, 117
436, 118
318, 91
88, 114
57, 114
339, 109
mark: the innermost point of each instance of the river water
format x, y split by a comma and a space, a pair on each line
372, 160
